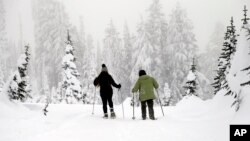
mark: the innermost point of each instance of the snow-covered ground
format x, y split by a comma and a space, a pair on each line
191, 120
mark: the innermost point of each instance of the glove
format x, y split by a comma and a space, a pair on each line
119, 86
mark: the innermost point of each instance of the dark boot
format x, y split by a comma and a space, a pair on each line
112, 113
150, 104
105, 115
143, 110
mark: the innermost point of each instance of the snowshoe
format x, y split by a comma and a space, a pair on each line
153, 118
112, 115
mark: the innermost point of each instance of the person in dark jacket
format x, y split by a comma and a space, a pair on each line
105, 81
146, 84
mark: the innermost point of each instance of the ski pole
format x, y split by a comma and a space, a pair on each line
122, 103
94, 102
133, 106
160, 102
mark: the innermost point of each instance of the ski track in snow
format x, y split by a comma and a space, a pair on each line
76, 123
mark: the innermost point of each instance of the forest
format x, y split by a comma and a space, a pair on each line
61, 66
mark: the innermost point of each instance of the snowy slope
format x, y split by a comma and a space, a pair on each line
243, 115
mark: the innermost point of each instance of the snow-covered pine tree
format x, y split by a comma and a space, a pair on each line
26, 72
50, 23
220, 76
246, 26
13, 86
228, 50
167, 95
182, 46
142, 50
141, 56
156, 34
19, 88
150, 44
71, 87
191, 84
245, 19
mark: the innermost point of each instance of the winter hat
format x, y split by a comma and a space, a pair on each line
104, 68
142, 72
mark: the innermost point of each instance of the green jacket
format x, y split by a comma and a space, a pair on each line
145, 84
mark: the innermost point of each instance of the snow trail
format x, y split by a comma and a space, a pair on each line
76, 123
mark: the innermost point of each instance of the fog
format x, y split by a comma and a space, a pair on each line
97, 13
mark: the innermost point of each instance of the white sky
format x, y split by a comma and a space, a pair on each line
97, 13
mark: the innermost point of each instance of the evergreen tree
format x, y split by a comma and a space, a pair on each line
220, 76
191, 84
228, 50
167, 95
247, 28
71, 87
245, 19
50, 24
156, 34
142, 52
182, 46
149, 51
19, 88
156, 25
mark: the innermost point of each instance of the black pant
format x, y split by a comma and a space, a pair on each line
150, 104
107, 99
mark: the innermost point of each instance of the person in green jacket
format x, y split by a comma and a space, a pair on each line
146, 84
